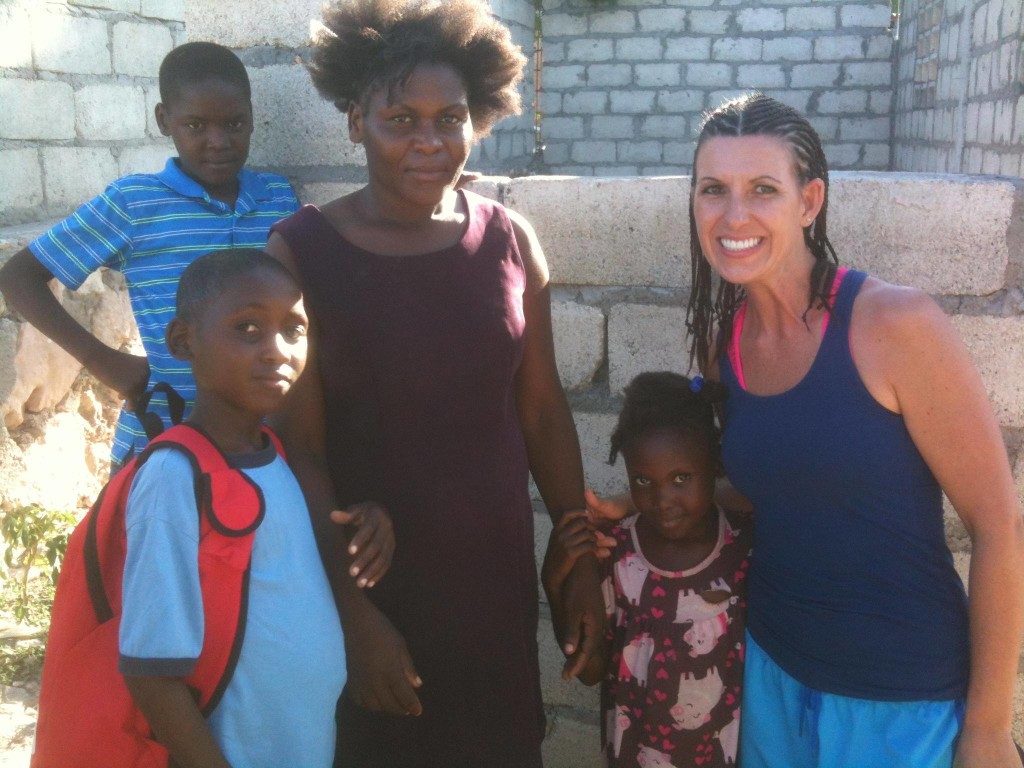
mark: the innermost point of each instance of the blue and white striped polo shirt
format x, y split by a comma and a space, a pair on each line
150, 227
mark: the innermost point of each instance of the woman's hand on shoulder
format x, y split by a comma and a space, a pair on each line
609, 509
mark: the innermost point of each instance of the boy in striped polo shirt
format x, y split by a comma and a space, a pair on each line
150, 227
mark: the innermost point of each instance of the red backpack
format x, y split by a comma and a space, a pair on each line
87, 717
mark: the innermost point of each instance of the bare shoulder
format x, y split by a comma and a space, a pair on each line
885, 311
530, 250
278, 247
898, 338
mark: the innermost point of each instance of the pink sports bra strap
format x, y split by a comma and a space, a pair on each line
741, 314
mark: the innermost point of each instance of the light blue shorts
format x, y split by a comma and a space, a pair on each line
786, 724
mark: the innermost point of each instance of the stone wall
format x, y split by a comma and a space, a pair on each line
624, 83
78, 84
960, 87
618, 251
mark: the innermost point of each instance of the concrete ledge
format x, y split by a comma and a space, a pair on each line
645, 338
594, 430
322, 192
943, 234
996, 345
601, 231
579, 342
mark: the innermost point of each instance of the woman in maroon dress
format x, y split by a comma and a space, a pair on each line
433, 392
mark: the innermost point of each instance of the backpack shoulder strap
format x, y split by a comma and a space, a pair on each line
275, 441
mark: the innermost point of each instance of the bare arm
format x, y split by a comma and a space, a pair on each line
913, 361
553, 449
176, 721
572, 538
381, 673
24, 282
544, 415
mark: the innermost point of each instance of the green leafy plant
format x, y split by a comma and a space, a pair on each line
36, 538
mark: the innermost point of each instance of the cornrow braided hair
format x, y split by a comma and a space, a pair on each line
664, 400
755, 114
365, 45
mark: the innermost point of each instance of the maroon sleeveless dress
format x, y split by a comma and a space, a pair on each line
418, 358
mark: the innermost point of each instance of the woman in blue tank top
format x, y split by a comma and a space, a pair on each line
853, 405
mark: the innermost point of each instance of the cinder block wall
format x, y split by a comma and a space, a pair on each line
77, 90
624, 83
618, 251
960, 87
300, 134
618, 248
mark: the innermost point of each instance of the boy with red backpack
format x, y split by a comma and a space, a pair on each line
194, 623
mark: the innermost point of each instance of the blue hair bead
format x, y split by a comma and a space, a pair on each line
697, 384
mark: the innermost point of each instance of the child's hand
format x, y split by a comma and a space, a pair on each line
373, 544
611, 509
573, 537
124, 373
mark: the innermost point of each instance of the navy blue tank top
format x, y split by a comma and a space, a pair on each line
852, 586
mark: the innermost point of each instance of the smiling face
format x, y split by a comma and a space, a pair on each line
210, 123
247, 347
417, 137
751, 208
672, 482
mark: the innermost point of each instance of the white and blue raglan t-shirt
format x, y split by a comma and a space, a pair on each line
149, 227
278, 709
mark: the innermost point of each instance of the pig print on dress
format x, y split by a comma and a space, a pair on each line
630, 575
617, 722
652, 758
636, 658
708, 621
729, 738
697, 697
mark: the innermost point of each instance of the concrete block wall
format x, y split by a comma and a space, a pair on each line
78, 84
960, 87
618, 251
305, 137
624, 83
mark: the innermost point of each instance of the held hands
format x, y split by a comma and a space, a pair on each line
572, 583
373, 543
575, 535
